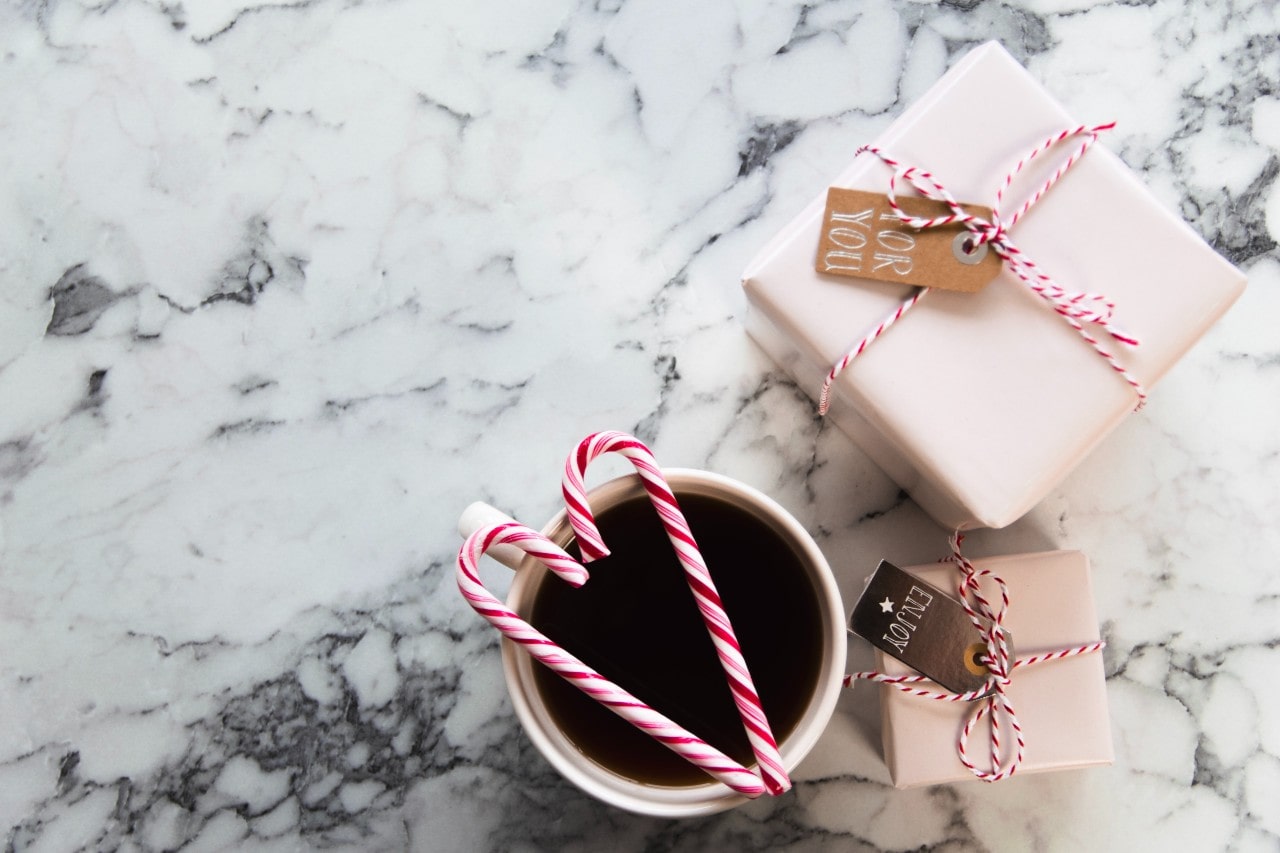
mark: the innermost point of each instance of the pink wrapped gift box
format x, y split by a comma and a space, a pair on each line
1061, 704
979, 404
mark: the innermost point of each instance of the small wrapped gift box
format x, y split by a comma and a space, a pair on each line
1061, 705
978, 404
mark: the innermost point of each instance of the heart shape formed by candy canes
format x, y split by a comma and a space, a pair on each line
772, 777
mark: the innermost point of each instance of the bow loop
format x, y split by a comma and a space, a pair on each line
1080, 310
993, 696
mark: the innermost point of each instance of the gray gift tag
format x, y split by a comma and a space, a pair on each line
923, 627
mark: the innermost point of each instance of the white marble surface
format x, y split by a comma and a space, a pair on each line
283, 286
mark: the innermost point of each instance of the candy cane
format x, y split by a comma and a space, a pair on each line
545, 650
763, 745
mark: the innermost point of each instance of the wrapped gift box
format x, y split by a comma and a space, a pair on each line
979, 404
1061, 704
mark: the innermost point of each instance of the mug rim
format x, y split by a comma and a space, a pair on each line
713, 796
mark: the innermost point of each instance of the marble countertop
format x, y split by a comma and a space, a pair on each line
284, 286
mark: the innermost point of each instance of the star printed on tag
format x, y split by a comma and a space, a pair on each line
887, 605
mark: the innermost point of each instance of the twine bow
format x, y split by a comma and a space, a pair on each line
1078, 309
1000, 664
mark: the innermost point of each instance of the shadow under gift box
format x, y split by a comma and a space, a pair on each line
979, 404
1061, 704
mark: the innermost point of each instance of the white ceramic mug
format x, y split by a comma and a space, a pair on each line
600, 782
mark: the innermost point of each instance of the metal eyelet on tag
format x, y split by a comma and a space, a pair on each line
973, 657
965, 255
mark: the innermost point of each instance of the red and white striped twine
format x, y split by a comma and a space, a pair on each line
998, 663
772, 777
759, 734
1077, 309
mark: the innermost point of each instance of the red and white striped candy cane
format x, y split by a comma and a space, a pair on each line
763, 745
546, 651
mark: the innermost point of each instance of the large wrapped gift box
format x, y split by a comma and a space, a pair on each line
1060, 704
979, 404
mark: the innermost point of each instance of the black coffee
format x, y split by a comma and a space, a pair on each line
635, 622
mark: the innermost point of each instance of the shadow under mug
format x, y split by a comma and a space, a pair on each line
518, 667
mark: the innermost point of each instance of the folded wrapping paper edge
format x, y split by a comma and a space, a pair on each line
1102, 755
862, 419
1233, 279
921, 782
785, 348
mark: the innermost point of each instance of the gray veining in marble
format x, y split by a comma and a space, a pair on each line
284, 286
